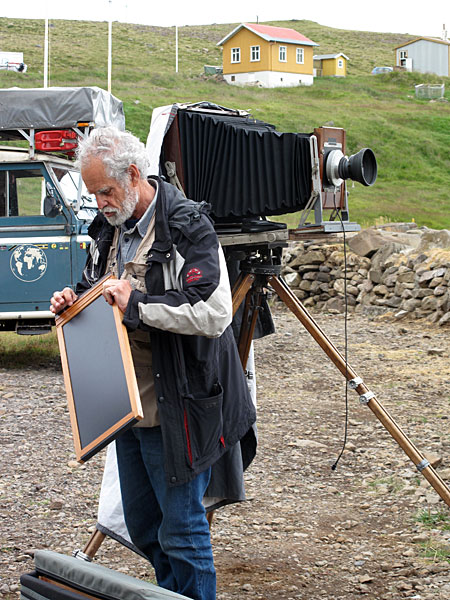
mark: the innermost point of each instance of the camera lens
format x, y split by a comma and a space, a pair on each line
360, 167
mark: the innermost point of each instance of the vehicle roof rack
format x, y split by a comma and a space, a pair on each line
52, 119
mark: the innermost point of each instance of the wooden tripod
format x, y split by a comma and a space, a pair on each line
250, 286
257, 274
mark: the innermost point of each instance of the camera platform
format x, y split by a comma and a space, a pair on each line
271, 238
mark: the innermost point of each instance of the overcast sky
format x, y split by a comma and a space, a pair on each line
414, 17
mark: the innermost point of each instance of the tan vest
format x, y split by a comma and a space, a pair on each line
134, 272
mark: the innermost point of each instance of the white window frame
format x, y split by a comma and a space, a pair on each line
282, 50
403, 54
255, 53
300, 56
236, 55
340, 63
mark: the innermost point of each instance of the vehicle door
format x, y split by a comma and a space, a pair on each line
35, 249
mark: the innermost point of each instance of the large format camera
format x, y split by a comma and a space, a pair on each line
247, 171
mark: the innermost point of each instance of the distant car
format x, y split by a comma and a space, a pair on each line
378, 70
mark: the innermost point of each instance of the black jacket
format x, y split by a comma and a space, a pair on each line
203, 399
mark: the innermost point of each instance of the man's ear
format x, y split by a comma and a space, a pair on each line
135, 174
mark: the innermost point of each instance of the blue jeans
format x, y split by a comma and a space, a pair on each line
168, 524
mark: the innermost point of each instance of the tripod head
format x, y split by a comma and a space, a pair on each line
264, 262
257, 253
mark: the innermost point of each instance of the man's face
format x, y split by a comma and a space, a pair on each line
113, 200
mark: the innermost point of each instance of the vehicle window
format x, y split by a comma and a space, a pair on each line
21, 192
2, 194
69, 182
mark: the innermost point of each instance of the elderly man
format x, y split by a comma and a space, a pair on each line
172, 286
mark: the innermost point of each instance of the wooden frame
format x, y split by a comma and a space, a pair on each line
99, 375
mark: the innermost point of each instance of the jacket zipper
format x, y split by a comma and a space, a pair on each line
188, 437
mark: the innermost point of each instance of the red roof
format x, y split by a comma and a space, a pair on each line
284, 33
271, 34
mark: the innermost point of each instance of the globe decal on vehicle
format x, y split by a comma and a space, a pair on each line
28, 263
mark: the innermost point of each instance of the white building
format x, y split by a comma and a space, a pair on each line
425, 55
11, 61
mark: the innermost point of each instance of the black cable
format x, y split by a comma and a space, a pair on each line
335, 464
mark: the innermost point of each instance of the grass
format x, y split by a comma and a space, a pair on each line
29, 192
435, 549
19, 351
434, 520
393, 484
410, 137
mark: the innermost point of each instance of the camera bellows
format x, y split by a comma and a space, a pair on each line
241, 166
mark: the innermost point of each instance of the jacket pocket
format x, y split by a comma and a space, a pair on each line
204, 424
136, 275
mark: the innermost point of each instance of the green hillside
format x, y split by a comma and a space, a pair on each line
410, 137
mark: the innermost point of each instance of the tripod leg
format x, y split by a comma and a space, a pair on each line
209, 518
240, 289
94, 543
356, 383
252, 304
89, 551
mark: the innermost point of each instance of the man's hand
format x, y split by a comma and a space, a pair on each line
60, 300
118, 291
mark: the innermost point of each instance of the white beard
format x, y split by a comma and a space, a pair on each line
126, 211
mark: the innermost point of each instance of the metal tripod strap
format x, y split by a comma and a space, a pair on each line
171, 169
366, 396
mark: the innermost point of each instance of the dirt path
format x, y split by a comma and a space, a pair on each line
307, 532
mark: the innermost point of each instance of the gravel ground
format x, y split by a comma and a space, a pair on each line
306, 532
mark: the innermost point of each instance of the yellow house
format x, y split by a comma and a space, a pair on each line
267, 56
330, 65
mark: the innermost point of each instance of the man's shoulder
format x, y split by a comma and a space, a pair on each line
183, 212
175, 198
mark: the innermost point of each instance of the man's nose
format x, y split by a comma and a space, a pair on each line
101, 201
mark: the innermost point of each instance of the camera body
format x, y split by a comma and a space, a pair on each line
248, 171
330, 139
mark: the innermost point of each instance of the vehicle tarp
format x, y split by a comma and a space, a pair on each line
58, 108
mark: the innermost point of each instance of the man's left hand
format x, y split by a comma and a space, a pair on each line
118, 291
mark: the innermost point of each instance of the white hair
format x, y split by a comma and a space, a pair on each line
117, 150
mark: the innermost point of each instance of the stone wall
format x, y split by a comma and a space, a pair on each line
397, 268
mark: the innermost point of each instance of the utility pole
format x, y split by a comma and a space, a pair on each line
176, 48
46, 52
109, 46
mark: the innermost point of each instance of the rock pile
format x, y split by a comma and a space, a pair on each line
400, 268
